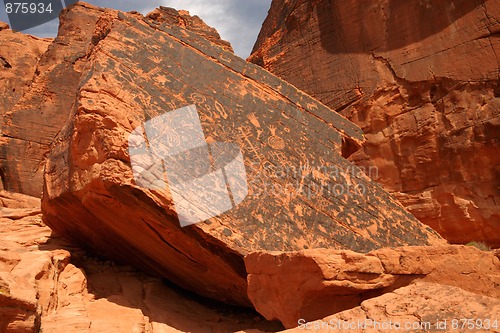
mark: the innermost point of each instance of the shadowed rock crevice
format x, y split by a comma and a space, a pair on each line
5, 63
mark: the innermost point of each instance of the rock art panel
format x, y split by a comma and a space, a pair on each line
301, 192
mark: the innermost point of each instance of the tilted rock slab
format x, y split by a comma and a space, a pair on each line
135, 71
34, 85
313, 284
421, 79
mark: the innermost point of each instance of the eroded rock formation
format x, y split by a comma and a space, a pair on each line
312, 232
288, 141
421, 79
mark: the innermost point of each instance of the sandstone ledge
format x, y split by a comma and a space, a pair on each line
312, 284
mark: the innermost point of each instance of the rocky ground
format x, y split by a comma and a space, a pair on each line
49, 285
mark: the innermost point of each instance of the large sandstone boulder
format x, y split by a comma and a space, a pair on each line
149, 97
313, 284
421, 79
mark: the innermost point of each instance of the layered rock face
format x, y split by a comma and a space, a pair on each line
19, 56
313, 284
288, 185
421, 79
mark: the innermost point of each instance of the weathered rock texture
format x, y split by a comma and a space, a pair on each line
19, 55
420, 307
421, 79
123, 69
47, 285
313, 284
39, 115
181, 18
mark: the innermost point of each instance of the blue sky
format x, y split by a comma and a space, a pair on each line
238, 21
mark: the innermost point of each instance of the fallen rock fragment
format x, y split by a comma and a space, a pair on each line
419, 307
313, 284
